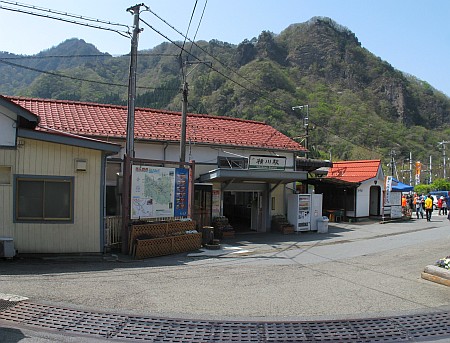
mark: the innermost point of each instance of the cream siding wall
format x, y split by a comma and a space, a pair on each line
7, 159
41, 159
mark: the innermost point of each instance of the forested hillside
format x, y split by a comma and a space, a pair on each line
359, 106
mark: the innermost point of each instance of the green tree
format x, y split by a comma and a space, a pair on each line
440, 185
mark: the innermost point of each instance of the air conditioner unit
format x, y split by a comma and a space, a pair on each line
7, 247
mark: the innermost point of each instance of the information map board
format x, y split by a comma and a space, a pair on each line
158, 192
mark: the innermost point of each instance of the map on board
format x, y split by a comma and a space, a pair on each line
159, 192
152, 193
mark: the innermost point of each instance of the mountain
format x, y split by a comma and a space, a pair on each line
359, 106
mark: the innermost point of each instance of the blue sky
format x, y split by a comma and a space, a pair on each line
412, 35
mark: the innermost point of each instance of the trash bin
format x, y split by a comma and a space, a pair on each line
322, 225
207, 234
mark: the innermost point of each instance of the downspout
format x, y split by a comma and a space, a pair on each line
103, 201
166, 144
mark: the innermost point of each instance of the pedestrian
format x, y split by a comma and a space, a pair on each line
429, 207
439, 204
419, 208
444, 206
404, 208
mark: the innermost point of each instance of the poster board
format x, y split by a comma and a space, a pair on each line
159, 192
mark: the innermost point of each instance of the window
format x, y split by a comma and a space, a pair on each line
5, 175
232, 162
44, 199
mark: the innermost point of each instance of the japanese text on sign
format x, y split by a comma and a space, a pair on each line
267, 162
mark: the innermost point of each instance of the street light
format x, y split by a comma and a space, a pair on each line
305, 125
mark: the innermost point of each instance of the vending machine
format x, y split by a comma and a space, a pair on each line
304, 210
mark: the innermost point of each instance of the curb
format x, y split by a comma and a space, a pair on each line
436, 274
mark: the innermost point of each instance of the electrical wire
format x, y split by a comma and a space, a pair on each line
79, 56
79, 79
199, 22
257, 93
15, 3
126, 34
198, 59
189, 26
212, 56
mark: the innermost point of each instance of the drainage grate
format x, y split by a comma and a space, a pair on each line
138, 328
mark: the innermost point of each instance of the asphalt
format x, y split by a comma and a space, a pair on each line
356, 270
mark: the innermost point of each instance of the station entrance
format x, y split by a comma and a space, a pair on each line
243, 210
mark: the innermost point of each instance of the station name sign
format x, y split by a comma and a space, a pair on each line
267, 162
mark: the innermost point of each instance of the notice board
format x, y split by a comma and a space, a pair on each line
159, 192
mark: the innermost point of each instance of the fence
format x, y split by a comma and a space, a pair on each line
113, 227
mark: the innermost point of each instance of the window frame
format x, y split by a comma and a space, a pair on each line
44, 179
227, 162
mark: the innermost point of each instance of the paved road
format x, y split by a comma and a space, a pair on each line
356, 270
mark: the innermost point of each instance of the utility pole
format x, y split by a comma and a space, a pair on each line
444, 143
305, 125
129, 148
430, 179
184, 105
410, 169
392, 163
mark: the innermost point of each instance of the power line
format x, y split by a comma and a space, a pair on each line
189, 26
31, 57
258, 93
77, 78
15, 3
127, 34
199, 22
48, 16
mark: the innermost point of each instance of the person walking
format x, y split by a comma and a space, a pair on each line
429, 207
444, 206
439, 204
419, 208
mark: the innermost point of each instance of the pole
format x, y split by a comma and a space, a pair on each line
183, 122
430, 175
392, 163
444, 143
445, 174
132, 81
307, 130
410, 169
305, 125
129, 149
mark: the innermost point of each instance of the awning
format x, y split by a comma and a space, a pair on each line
249, 175
398, 186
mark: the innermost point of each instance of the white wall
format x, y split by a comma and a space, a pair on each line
7, 127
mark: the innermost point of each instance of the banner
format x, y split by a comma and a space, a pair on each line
388, 187
418, 170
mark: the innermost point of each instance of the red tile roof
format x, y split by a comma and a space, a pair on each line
354, 171
109, 121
